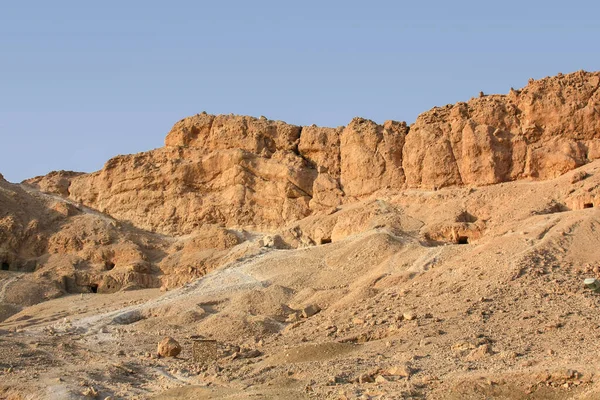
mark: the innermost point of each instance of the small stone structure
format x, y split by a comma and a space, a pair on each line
204, 351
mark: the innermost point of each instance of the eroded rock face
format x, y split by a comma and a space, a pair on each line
50, 246
222, 132
56, 182
243, 171
542, 131
371, 156
321, 146
175, 190
254, 172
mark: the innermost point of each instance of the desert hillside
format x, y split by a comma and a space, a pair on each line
440, 260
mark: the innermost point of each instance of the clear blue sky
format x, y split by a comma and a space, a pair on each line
82, 81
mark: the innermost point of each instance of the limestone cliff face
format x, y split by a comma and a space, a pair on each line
244, 171
542, 131
176, 189
371, 156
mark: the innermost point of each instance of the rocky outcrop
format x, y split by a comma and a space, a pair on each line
254, 172
21, 223
56, 182
371, 156
175, 189
66, 248
50, 246
224, 132
540, 132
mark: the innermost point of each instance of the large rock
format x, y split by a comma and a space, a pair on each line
168, 347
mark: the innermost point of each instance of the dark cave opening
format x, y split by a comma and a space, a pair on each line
5, 266
109, 265
463, 240
325, 240
588, 205
93, 288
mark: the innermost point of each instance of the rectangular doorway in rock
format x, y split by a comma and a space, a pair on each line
463, 240
325, 240
588, 205
5, 266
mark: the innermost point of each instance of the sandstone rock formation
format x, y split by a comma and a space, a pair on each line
254, 172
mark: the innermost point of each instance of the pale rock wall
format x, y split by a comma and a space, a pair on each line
542, 131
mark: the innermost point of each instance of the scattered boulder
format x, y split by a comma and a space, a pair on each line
408, 316
310, 310
402, 370
168, 347
252, 353
365, 378
90, 392
479, 353
128, 318
293, 317
578, 176
462, 348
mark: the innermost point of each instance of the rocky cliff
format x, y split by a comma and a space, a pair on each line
325, 258
254, 172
